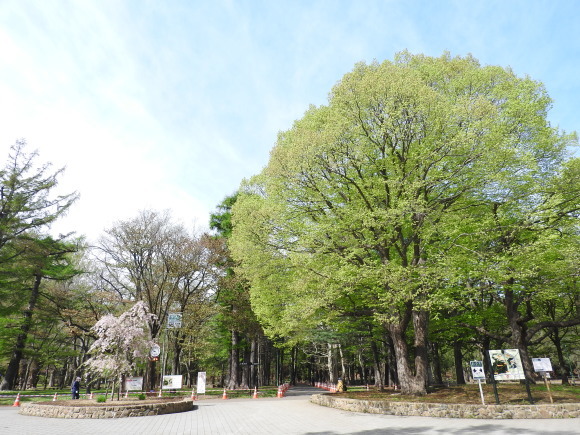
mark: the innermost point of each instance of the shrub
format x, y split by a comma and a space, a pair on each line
101, 399
141, 396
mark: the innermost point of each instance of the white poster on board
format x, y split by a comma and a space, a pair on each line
200, 382
542, 364
172, 382
134, 384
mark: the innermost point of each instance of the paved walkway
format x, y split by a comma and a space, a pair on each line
293, 414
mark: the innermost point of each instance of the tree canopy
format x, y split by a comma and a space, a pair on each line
379, 196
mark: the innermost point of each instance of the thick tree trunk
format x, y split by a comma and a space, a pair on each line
293, 364
344, 374
280, 374
436, 363
177, 348
233, 381
265, 358
458, 361
392, 363
331, 364
151, 378
377, 365
518, 333
12, 370
557, 340
412, 382
246, 368
254, 352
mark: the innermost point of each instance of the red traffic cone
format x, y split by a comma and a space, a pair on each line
54, 398
225, 396
17, 401
279, 395
193, 395
255, 396
127, 394
160, 390
91, 396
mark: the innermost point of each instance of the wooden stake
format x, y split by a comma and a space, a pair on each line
548, 387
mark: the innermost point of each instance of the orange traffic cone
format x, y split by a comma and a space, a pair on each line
160, 390
279, 395
255, 396
17, 401
91, 396
225, 396
54, 398
127, 394
193, 395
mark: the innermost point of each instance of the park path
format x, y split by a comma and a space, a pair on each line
291, 415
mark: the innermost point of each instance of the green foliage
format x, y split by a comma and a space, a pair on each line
101, 399
399, 195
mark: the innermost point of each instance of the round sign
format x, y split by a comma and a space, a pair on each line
155, 350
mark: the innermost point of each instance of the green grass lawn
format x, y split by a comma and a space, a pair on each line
7, 397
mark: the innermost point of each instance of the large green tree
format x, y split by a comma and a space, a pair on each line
27, 256
364, 196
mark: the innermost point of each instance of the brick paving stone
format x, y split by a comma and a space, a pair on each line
291, 415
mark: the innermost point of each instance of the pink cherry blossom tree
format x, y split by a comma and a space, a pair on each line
121, 342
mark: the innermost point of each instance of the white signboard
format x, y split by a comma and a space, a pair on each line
506, 364
134, 384
477, 370
200, 382
172, 382
174, 320
542, 364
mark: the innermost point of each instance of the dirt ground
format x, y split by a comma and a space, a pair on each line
508, 394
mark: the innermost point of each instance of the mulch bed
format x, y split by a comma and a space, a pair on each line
465, 394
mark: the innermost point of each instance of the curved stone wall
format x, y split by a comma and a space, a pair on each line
564, 410
139, 409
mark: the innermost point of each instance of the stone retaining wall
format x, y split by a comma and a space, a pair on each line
46, 409
565, 410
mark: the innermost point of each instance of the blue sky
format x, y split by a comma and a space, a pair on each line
170, 104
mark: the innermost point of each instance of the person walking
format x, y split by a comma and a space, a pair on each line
75, 388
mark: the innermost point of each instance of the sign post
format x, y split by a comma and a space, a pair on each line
544, 366
479, 375
506, 365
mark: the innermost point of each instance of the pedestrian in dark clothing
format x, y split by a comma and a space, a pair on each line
75, 388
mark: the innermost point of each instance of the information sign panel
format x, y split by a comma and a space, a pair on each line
477, 370
174, 320
201, 383
542, 364
172, 382
506, 364
134, 384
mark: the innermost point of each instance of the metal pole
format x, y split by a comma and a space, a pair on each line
163, 359
481, 392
